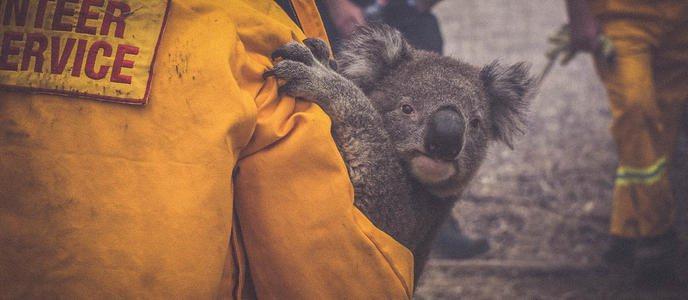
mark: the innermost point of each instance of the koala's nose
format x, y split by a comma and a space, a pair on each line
444, 138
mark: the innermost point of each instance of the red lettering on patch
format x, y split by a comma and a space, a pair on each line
58, 61
120, 62
9, 50
115, 12
33, 39
40, 14
86, 14
91, 60
79, 58
62, 10
19, 9
102, 49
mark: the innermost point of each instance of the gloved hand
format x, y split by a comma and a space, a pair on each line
584, 34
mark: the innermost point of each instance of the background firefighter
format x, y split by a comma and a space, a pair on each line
647, 94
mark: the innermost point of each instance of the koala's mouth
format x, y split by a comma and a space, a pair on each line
432, 171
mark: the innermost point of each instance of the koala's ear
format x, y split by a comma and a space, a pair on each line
509, 91
370, 53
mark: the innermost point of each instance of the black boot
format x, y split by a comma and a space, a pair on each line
655, 260
620, 251
452, 244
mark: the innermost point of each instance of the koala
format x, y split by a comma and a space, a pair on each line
413, 127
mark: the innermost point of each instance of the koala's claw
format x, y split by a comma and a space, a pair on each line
305, 70
318, 47
288, 70
321, 51
296, 52
312, 50
268, 73
301, 81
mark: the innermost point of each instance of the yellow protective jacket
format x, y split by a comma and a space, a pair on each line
103, 200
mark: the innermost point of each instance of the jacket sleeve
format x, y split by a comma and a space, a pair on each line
302, 235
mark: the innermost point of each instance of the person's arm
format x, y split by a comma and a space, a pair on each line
345, 15
584, 27
425, 5
298, 230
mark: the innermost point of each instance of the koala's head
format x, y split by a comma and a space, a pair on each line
441, 113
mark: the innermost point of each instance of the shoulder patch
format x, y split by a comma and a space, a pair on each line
99, 49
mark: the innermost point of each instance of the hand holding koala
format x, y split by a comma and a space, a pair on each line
412, 126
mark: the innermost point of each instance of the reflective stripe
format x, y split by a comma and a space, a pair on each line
648, 176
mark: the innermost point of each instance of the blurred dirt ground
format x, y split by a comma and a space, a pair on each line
545, 206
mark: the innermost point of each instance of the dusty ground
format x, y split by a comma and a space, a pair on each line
544, 206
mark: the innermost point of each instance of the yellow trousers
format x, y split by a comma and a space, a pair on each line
647, 92
101, 200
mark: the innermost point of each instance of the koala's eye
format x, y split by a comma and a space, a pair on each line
407, 109
475, 123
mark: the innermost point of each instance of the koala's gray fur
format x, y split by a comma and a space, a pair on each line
383, 145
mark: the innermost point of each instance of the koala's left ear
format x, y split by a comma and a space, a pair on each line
509, 90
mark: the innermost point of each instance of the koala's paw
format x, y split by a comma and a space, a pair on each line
321, 52
305, 69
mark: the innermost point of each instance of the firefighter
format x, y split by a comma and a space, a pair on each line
647, 94
142, 155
